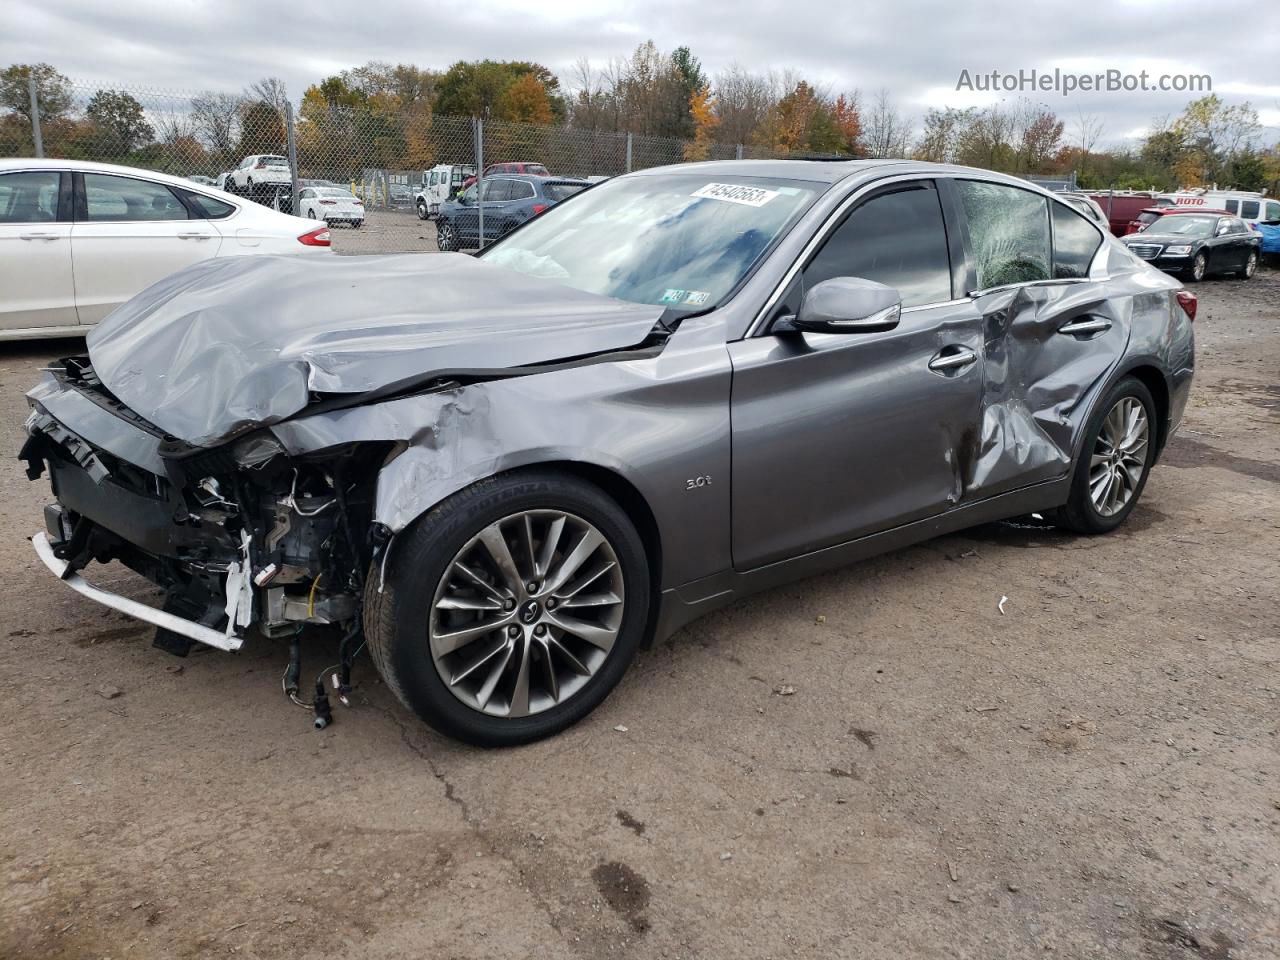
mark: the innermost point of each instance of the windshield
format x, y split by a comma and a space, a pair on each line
1189, 226
681, 241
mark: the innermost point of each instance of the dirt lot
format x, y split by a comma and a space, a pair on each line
1092, 774
386, 231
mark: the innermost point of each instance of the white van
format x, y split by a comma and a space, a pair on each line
440, 183
1245, 204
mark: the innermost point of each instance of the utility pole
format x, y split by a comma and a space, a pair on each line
35, 114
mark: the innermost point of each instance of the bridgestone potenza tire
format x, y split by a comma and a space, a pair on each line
1080, 514
398, 611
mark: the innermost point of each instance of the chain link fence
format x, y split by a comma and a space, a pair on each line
401, 161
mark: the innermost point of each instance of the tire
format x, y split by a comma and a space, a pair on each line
422, 211
311, 215
1250, 265
446, 236
357, 224
405, 622
1199, 268
1082, 513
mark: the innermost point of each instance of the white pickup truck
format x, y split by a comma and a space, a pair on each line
438, 184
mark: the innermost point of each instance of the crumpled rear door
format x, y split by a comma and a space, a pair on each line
1046, 347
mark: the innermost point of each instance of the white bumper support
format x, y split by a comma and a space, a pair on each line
187, 628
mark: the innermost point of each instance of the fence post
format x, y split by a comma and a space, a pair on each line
291, 138
35, 115
479, 129
737, 154
628, 169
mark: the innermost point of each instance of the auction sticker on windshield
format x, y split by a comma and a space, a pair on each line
736, 193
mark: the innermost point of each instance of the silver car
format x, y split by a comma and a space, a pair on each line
504, 475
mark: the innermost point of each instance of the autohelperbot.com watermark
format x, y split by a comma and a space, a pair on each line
1065, 82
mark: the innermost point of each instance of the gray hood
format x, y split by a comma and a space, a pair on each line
244, 341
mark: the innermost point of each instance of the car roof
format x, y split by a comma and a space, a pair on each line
91, 166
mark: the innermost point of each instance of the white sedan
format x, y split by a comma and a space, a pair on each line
331, 204
78, 239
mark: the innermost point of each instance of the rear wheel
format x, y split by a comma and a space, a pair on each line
1250, 265
1115, 460
446, 236
512, 609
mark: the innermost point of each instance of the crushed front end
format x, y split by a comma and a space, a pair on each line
237, 535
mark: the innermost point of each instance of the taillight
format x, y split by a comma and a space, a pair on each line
328, 203
318, 237
1187, 301
538, 208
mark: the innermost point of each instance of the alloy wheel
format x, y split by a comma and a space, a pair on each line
1198, 266
1119, 456
1250, 265
444, 237
526, 613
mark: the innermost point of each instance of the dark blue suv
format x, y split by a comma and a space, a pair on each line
509, 199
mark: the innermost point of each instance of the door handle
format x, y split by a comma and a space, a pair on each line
38, 236
944, 362
1077, 327
195, 236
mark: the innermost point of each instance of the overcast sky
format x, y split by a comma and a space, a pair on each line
914, 48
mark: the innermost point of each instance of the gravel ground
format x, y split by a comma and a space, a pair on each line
1092, 774
386, 231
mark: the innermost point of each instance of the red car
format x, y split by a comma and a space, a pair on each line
1152, 214
532, 169
1121, 208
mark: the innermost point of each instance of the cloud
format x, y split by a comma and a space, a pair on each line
916, 49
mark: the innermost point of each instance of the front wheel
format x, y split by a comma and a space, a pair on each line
1199, 267
422, 211
1115, 460
512, 609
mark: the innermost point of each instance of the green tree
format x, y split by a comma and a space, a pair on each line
53, 90
474, 88
262, 130
119, 122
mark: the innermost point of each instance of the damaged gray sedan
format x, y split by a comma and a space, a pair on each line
505, 474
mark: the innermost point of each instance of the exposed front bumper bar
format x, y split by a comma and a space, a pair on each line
187, 628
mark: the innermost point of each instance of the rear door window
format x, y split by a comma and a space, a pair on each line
111, 198
212, 209
495, 191
1008, 232
29, 196
1075, 241
521, 189
896, 238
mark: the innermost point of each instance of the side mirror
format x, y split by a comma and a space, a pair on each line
846, 305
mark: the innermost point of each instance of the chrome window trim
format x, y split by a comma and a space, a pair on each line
1097, 268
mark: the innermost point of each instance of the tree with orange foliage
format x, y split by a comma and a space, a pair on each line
703, 111
525, 101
